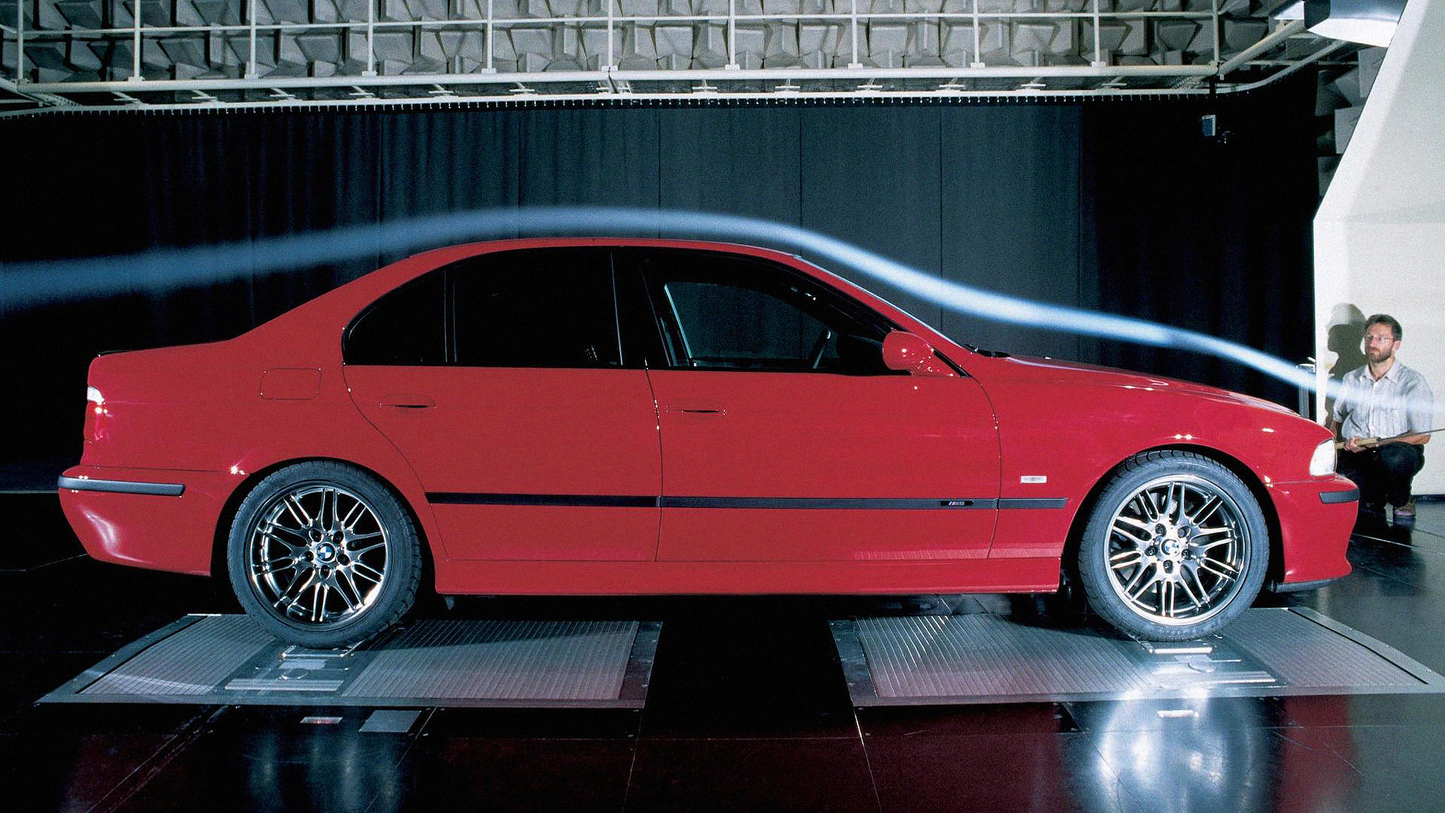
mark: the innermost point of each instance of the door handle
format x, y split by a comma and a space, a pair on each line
407, 401
695, 409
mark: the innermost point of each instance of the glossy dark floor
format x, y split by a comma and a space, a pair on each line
748, 711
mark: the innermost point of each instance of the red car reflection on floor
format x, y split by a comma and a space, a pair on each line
590, 417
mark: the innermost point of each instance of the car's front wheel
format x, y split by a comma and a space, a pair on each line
323, 555
1176, 547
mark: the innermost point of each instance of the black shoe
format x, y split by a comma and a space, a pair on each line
1405, 514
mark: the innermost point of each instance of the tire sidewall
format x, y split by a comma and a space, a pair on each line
403, 555
1094, 546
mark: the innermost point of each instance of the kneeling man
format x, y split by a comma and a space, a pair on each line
1388, 401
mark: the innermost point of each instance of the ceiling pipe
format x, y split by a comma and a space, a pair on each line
552, 77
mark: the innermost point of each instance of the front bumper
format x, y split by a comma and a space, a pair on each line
1315, 519
154, 518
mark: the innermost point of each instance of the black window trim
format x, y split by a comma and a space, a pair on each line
449, 312
616, 310
630, 290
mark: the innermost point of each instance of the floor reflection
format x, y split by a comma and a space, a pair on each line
748, 710
1228, 754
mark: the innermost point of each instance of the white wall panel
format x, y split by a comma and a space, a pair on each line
1380, 231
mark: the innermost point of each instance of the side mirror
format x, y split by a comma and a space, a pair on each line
906, 351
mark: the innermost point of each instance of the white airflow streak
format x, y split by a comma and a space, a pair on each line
50, 282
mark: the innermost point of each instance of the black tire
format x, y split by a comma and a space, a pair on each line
1176, 547
321, 554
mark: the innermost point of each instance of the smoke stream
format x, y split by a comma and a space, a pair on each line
40, 283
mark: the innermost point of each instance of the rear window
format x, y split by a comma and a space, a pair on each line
404, 327
536, 308
545, 307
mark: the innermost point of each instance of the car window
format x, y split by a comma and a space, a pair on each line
404, 327
737, 313
535, 308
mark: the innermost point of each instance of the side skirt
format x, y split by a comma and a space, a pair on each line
1015, 575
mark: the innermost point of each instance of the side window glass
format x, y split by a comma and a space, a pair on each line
535, 308
722, 325
736, 313
403, 328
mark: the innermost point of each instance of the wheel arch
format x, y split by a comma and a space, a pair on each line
1069, 563
246, 486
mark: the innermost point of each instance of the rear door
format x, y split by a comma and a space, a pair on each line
501, 380
784, 438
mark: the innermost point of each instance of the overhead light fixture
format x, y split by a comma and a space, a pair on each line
1368, 22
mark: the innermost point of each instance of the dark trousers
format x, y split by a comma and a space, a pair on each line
1384, 472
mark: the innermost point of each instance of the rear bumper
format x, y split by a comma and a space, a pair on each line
1315, 519
154, 518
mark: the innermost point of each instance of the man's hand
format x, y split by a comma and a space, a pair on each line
1353, 445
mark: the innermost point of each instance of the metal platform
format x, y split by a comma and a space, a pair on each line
963, 659
228, 659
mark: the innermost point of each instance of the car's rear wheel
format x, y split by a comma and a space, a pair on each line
1176, 547
323, 555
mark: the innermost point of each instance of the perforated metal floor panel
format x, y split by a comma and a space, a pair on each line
983, 658
229, 659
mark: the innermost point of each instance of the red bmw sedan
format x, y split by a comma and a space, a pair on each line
610, 417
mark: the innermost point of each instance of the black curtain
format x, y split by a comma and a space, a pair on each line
1124, 206
1207, 233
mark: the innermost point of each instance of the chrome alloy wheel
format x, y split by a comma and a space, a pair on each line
318, 554
1178, 550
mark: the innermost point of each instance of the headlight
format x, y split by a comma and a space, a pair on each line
1322, 462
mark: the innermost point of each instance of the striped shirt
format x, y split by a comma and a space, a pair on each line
1395, 403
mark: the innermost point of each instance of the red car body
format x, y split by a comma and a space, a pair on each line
657, 480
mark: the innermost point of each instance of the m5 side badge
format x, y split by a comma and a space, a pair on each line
1033, 478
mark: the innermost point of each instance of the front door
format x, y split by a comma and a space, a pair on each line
784, 438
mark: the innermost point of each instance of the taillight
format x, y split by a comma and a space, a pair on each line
94, 415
